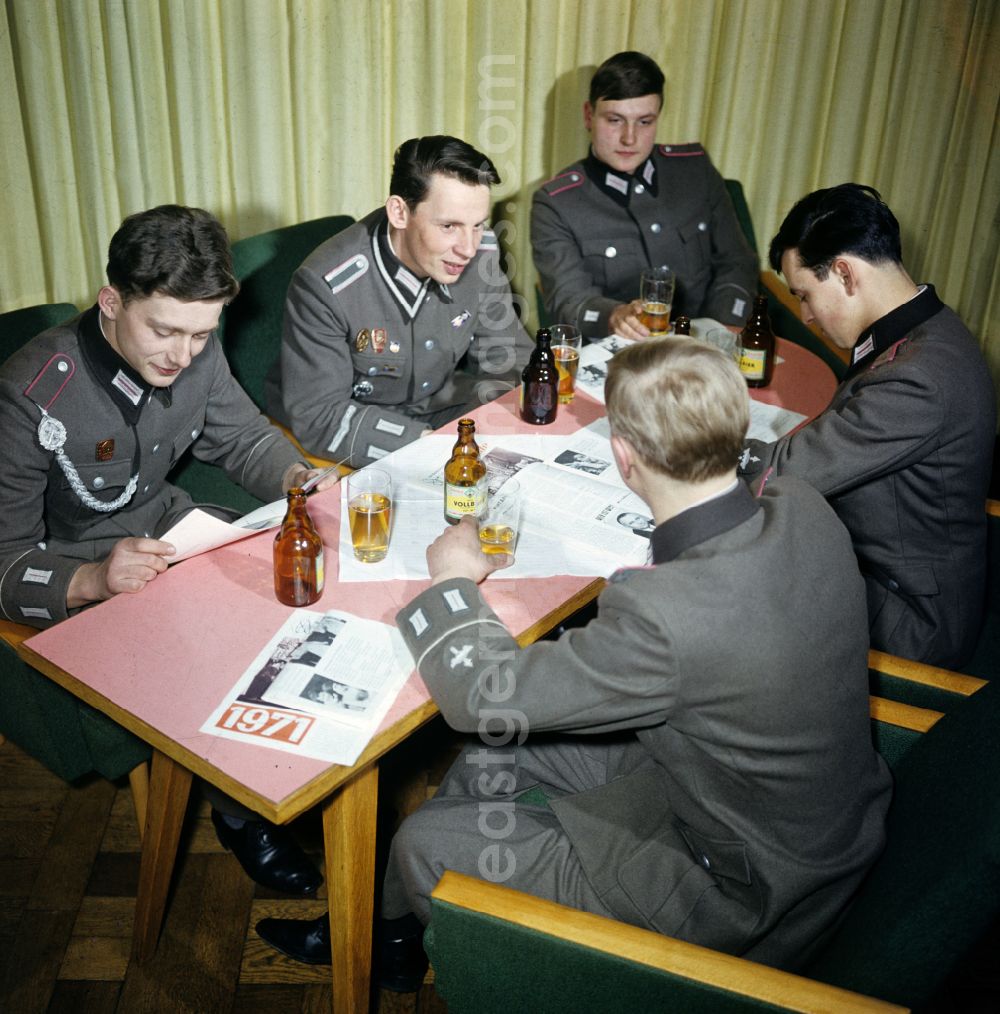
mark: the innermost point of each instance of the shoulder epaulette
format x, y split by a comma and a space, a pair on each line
50, 380
681, 150
347, 273
568, 180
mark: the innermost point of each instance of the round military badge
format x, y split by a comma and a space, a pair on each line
362, 339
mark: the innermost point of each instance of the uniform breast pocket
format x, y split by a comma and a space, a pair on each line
696, 247
185, 437
614, 265
380, 377
105, 479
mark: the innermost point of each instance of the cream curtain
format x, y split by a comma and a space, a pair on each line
275, 111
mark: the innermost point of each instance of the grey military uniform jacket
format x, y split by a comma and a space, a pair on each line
739, 661
903, 454
116, 428
593, 230
371, 356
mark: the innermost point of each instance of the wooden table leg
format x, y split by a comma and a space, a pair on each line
349, 838
169, 787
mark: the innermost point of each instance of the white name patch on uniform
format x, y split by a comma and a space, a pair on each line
454, 601
36, 612
738, 307
131, 390
376, 452
32, 575
387, 426
418, 621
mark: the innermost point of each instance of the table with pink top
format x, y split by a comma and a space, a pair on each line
159, 663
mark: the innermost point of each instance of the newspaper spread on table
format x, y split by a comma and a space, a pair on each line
320, 687
767, 422
577, 515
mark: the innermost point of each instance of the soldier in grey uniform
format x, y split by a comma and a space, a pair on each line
707, 754
904, 451
405, 320
630, 205
95, 413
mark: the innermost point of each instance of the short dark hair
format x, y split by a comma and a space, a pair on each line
849, 218
180, 252
627, 75
418, 159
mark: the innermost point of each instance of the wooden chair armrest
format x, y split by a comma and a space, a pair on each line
993, 507
676, 957
919, 672
905, 716
15, 633
779, 290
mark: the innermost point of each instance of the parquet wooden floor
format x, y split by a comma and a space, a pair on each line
69, 865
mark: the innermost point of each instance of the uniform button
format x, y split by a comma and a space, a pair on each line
574, 178
429, 344
194, 434
667, 147
893, 585
425, 385
145, 489
145, 535
98, 482
156, 447
63, 366
655, 227
372, 370
639, 188
706, 862
611, 252
703, 226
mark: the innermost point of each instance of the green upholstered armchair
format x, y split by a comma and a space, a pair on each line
251, 335
17, 326
931, 895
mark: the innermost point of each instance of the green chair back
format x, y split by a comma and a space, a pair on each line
18, 326
735, 190
251, 325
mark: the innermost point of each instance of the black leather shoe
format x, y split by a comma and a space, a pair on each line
305, 940
269, 855
402, 961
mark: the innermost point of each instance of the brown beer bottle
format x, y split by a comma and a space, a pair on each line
757, 341
298, 555
682, 325
464, 477
540, 382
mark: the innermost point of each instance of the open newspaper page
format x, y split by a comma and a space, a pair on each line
767, 422
577, 517
320, 687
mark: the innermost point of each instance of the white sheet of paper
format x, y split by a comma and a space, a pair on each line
199, 531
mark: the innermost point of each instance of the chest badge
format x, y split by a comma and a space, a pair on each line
362, 339
394, 347
378, 339
105, 450
460, 319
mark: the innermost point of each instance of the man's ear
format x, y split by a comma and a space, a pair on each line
398, 211
624, 455
845, 272
588, 115
110, 301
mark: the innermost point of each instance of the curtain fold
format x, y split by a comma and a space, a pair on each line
269, 112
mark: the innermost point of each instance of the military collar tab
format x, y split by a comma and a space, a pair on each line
408, 290
703, 522
124, 386
895, 325
620, 186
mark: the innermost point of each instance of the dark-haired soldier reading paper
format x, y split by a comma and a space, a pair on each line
94, 414
903, 453
405, 321
703, 743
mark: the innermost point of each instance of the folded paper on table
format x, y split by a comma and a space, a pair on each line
198, 531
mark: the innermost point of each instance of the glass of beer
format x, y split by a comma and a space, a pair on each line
369, 505
499, 523
726, 341
656, 290
566, 348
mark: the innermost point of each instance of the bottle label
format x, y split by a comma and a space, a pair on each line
462, 500
752, 363
320, 575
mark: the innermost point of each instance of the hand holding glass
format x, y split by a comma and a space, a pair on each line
566, 348
369, 502
656, 290
498, 525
